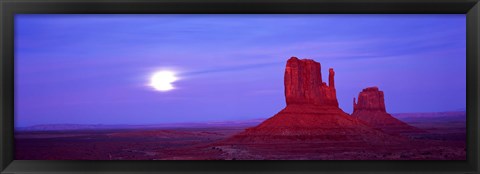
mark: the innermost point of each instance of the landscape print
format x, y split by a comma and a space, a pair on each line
240, 87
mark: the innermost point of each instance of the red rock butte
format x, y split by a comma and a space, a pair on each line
311, 113
304, 85
370, 99
371, 109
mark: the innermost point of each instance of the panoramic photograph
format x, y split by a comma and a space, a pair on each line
240, 87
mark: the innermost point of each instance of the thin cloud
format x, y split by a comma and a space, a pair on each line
232, 68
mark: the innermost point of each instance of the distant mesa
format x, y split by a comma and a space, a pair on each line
370, 99
311, 114
371, 109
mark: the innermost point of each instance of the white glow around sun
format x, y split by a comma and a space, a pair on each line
162, 80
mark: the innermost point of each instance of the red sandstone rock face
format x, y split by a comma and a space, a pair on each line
304, 85
312, 114
371, 109
370, 99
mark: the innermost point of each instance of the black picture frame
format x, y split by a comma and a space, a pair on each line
9, 8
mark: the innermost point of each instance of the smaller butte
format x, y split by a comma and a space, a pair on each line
370, 108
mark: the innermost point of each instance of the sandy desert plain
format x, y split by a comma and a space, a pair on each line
444, 139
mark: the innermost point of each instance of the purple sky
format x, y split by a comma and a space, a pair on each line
95, 69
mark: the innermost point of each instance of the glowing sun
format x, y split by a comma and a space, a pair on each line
162, 80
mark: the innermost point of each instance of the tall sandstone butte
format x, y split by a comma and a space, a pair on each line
311, 114
304, 85
371, 109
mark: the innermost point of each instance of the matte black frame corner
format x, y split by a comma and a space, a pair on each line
9, 8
